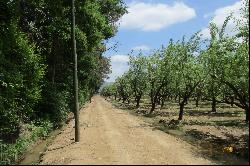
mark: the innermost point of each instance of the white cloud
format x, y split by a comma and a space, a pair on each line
141, 47
119, 58
119, 65
220, 15
155, 16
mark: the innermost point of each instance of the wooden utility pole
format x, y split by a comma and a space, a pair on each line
76, 105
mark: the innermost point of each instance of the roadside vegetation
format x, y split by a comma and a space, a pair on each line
36, 64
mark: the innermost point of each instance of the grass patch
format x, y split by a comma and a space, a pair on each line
10, 153
230, 123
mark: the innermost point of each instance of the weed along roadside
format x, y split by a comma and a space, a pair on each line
213, 138
36, 65
32, 142
13, 151
35, 151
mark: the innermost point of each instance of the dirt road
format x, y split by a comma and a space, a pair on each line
113, 136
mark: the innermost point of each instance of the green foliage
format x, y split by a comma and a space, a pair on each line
227, 64
188, 73
184, 69
55, 105
36, 74
109, 90
21, 79
10, 153
137, 78
123, 87
171, 125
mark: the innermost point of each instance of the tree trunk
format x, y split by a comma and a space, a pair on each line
137, 103
152, 108
213, 105
138, 99
181, 111
197, 102
232, 101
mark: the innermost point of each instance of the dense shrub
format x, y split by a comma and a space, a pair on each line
20, 82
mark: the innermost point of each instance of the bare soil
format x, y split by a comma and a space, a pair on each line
210, 132
113, 136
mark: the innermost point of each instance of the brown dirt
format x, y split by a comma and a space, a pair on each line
228, 122
113, 136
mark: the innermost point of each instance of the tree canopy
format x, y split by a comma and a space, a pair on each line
36, 71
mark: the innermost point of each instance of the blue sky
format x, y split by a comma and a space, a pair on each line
151, 23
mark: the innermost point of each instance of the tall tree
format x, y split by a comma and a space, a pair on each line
138, 80
188, 70
232, 63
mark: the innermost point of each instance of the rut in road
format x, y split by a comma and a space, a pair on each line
113, 136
